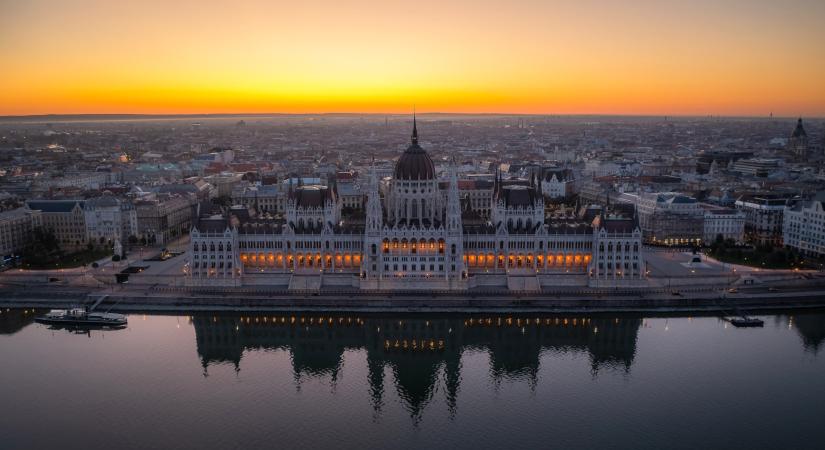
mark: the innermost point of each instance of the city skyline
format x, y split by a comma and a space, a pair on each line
644, 58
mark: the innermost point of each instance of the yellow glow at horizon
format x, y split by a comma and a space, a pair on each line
526, 56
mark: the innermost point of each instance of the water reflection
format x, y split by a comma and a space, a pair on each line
420, 352
14, 320
811, 329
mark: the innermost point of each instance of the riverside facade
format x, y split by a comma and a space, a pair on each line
417, 238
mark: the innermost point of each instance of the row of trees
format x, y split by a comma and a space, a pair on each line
764, 255
43, 249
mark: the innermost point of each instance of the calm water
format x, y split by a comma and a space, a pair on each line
232, 381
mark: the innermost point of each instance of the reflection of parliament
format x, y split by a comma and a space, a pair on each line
419, 352
419, 235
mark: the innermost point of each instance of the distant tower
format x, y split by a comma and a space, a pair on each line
714, 167
798, 143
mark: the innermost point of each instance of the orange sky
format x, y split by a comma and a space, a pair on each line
723, 57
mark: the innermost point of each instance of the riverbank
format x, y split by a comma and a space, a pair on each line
148, 301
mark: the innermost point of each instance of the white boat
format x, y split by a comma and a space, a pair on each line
79, 316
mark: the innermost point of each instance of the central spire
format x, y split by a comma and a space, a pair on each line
415, 131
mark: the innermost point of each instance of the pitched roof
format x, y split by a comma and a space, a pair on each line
54, 206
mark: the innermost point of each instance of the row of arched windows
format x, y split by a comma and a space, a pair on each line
619, 246
412, 245
301, 260
528, 260
212, 247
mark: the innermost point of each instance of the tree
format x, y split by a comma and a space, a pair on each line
777, 257
43, 247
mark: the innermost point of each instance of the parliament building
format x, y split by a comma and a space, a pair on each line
419, 235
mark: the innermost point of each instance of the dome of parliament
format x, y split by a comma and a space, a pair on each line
414, 163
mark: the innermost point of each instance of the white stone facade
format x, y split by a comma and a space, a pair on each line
803, 227
109, 219
414, 238
726, 222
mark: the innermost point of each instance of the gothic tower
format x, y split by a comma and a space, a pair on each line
372, 233
453, 226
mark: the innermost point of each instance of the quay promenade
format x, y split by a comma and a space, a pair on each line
164, 298
673, 284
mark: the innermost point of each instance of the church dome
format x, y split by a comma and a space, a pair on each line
799, 131
414, 163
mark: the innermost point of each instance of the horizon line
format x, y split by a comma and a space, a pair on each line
70, 116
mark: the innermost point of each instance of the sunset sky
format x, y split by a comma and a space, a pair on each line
721, 57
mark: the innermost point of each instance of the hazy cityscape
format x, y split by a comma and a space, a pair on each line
458, 224
86, 195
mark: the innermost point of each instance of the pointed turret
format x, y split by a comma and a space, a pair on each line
373, 208
414, 132
453, 211
453, 226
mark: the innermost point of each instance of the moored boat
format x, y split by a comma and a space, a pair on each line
746, 322
79, 316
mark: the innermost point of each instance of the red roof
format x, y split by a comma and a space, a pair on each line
244, 167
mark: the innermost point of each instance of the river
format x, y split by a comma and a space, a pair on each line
313, 380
